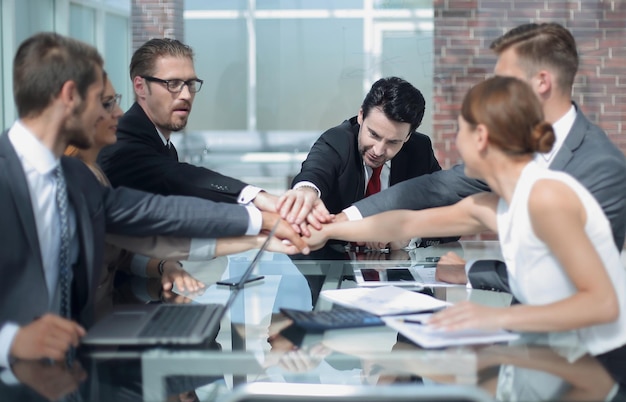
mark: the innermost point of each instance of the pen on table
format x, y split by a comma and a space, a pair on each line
409, 321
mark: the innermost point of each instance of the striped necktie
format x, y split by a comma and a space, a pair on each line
64, 247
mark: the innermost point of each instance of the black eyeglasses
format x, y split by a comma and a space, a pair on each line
176, 85
110, 103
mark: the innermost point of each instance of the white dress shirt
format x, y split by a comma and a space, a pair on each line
39, 163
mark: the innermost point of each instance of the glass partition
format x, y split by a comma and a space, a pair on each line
280, 72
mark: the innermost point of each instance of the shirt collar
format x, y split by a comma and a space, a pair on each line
387, 165
165, 140
561, 128
31, 150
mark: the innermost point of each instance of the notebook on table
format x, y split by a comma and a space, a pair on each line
163, 324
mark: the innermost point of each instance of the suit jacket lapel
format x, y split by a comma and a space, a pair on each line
572, 142
20, 192
358, 160
85, 237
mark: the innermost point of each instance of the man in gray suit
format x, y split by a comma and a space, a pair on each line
545, 56
58, 87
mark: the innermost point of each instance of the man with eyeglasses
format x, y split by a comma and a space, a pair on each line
165, 84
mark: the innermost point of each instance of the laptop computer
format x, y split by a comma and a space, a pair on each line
163, 324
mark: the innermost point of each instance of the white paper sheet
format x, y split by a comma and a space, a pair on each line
386, 300
428, 337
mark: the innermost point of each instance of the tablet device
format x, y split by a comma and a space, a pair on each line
385, 276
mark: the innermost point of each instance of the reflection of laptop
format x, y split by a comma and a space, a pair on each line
152, 324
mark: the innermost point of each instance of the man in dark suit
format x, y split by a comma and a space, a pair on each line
545, 56
54, 211
381, 137
165, 84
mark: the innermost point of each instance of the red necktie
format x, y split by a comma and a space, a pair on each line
373, 186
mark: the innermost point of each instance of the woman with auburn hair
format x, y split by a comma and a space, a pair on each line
557, 243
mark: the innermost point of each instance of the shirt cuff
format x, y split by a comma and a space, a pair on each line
7, 335
255, 222
413, 243
353, 213
309, 185
468, 268
248, 194
202, 249
138, 265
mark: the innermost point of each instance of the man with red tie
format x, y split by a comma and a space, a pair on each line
367, 153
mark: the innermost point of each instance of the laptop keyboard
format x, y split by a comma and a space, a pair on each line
173, 320
332, 319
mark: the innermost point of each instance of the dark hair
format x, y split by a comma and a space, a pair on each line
543, 45
144, 58
399, 100
510, 110
46, 61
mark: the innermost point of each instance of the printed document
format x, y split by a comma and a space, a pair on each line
415, 328
386, 300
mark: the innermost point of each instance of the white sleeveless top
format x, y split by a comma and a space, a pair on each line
536, 276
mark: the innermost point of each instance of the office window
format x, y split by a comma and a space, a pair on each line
83, 23
33, 16
116, 55
303, 65
277, 73
309, 73
220, 54
102, 23
2, 97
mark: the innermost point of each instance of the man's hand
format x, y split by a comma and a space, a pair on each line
284, 231
173, 273
52, 381
302, 206
265, 201
49, 336
451, 269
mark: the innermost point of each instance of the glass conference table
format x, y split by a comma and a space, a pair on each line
257, 343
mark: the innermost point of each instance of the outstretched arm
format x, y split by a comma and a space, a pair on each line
558, 219
472, 215
441, 188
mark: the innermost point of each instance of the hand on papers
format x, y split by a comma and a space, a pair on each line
302, 206
467, 315
284, 231
173, 273
49, 336
451, 269
52, 381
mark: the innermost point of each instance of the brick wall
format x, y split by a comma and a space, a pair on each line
157, 19
464, 29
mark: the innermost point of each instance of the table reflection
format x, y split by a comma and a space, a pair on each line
257, 343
